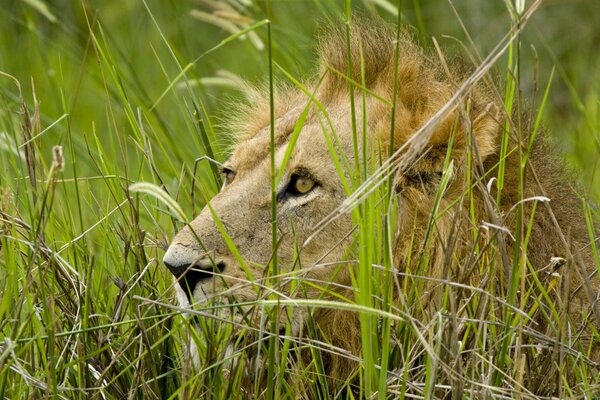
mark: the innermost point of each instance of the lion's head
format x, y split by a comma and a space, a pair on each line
322, 135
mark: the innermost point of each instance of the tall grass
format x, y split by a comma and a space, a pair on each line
95, 100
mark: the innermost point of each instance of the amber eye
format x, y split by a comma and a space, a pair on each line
298, 185
303, 185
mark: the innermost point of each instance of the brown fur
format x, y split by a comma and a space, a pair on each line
423, 88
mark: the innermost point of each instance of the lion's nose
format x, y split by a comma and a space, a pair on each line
189, 268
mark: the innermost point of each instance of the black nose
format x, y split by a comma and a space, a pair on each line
188, 275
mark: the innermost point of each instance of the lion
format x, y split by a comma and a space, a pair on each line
481, 209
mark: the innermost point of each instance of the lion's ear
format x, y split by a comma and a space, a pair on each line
480, 127
425, 173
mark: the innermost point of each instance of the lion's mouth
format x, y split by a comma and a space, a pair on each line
189, 279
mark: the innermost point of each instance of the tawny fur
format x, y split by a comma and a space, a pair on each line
423, 87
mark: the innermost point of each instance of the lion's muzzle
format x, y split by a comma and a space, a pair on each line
190, 268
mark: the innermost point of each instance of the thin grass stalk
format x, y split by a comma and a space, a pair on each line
361, 214
274, 314
508, 106
350, 72
389, 226
515, 278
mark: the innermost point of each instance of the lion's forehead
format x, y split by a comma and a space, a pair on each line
309, 151
323, 127
255, 150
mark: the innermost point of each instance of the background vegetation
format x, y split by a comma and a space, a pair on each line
134, 91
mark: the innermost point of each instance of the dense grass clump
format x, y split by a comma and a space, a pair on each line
95, 99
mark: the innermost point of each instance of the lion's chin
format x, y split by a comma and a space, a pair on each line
229, 360
247, 331
239, 349
243, 344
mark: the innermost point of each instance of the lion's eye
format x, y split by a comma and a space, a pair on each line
228, 174
303, 185
298, 185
